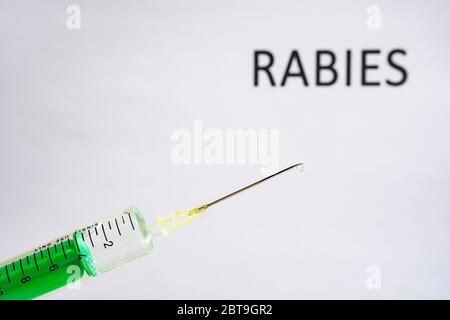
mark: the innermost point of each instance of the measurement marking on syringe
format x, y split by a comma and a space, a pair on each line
76, 243
68, 240
42, 254
56, 250
90, 238
14, 266
28, 260
35, 261
123, 219
117, 225
21, 267
64, 251
96, 232
82, 236
104, 233
50, 256
129, 216
7, 273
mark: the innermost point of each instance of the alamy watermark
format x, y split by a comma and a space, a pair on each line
213, 146
73, 281
373, 281
373, 21
73, 21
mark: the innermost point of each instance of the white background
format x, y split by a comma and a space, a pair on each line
86, 118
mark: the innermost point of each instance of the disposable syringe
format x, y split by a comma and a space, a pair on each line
93, 250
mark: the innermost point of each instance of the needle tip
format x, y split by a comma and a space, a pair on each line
300, 167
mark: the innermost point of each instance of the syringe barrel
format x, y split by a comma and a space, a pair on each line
113, 242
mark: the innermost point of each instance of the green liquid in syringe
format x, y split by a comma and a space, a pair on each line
41, 271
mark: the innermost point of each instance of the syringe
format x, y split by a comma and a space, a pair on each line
93, 250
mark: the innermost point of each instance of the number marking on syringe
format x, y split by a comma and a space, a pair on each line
80, 255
